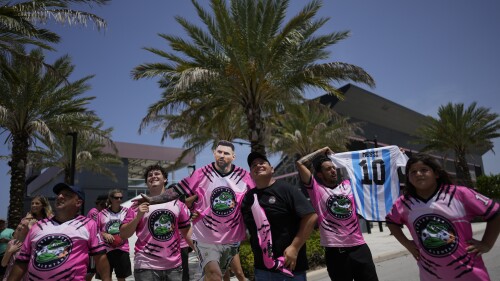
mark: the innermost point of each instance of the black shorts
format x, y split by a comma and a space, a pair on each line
119, 261
350, 263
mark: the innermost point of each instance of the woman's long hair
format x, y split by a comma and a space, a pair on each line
443, 177
47, 209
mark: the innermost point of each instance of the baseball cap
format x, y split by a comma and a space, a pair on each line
256, 155
76, 189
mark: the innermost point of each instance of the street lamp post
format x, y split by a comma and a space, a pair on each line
73, 157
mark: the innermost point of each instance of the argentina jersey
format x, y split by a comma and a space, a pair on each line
374, 178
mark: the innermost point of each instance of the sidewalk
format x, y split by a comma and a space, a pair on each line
385, 247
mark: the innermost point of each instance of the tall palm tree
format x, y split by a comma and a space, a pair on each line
306, 127
247, 57
19, 20
460, 130
90, 153
34, 103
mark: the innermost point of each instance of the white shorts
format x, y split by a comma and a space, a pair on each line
223, 254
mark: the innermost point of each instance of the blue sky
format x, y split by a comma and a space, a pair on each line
422, 54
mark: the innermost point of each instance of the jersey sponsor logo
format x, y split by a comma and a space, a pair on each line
339, 206
223, 201
51, 251
161, 225
436, 234
113, 226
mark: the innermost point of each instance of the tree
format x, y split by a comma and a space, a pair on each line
460, 130
35, 104
199, 124
90, 153
246, 57
19, 19
308, 127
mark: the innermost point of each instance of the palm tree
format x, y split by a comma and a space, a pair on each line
34, 103
19, 19
199, 124
309, 126
248, 58
90, 153
460, 130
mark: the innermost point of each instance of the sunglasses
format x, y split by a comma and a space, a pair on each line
117, 197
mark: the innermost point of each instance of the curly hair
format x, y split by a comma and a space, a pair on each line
155, 167
443, 177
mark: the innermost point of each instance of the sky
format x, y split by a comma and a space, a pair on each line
422, 54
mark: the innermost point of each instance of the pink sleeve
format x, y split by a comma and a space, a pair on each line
131, 213
96, 245
396, 214
183, 220
477, 204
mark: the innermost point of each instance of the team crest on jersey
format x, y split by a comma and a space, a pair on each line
51, 251
436, 235
339, 206
113, 227
162, 225
223, 201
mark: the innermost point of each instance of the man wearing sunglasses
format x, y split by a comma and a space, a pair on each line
109, 221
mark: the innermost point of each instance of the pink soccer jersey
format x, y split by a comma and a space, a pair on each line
158, 240
337, 218
92, 214
109, 222
219, 203
440, 227
59, 251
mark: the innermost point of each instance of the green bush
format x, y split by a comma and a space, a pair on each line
489, 186
315, 255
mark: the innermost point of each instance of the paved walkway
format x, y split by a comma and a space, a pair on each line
382, 245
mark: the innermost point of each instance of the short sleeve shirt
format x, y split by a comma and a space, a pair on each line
441, 227
110, 222
219, 203
58, 251
337, 218
158, 240
284, 206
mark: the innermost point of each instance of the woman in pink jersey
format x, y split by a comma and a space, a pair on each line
13, 249
109, 221
40, 209
438, 215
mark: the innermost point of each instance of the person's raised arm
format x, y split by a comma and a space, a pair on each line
167, 196
304, 173
307, 224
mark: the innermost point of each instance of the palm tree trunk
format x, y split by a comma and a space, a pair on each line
18, 178
256, 129
463, 169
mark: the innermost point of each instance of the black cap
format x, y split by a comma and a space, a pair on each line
102, 197
256, 155
76, 189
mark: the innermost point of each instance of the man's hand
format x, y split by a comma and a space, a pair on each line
290, 255
142, 199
